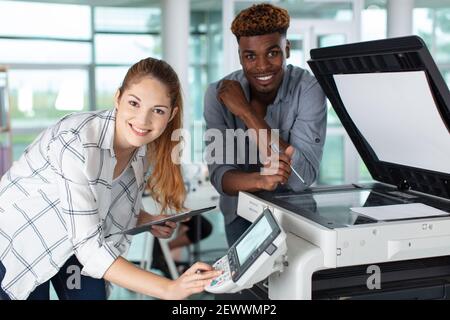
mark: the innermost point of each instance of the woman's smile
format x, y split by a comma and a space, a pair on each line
139, 131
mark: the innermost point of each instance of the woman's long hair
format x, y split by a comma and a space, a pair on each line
166, 183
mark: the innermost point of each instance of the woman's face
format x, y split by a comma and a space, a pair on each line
143, 112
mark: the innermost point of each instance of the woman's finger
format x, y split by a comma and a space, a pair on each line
161, 234
197, 284
201, 283
163, 229
205, 275
171, 224
199, 266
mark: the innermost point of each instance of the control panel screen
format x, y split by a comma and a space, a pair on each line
253, 239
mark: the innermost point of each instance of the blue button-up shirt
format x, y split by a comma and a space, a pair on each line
298, 111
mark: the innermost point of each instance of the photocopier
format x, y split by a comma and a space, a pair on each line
389, 239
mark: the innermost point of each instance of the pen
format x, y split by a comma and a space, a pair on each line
275, 148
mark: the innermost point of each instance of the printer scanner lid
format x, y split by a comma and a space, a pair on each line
394, 104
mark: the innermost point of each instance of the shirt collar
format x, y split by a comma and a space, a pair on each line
283, 90
108, 130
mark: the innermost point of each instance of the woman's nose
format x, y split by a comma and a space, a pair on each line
145, 116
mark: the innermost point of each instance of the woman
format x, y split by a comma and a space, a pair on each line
83, 179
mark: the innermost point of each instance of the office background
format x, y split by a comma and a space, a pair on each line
66, 56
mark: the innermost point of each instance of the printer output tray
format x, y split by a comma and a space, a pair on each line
422, 279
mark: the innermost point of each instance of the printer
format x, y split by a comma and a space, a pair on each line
389, 239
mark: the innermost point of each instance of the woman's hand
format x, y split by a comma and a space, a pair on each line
194, 280
163, 231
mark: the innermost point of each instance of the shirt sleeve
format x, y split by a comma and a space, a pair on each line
79, 206
307, 136
216, 140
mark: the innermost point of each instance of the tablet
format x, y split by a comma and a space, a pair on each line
175, 218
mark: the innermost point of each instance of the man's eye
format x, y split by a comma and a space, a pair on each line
273, 54
250, 56
133, 103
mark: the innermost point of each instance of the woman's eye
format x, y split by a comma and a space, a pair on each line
159, 111
133, 103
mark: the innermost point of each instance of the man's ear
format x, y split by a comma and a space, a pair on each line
174, 112
288, 48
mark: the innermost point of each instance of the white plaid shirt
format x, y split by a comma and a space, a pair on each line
60, 199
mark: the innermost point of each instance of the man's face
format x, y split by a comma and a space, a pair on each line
263, 59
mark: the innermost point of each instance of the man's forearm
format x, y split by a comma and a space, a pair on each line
234, 181
253, 121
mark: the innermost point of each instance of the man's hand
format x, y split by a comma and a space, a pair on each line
230, 93
162, 231
279, 161
276, 162
277, 169
270, 183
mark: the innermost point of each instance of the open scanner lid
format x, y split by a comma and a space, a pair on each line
395, 106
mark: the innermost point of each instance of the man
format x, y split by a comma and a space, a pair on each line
265, 94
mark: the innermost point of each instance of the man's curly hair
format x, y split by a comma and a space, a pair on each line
260, 19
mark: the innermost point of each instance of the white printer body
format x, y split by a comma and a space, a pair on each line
411, 167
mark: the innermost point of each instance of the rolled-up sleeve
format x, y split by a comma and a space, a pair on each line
79, 206
307, 136
217, 143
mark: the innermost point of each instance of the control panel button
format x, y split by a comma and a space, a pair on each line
271, 249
